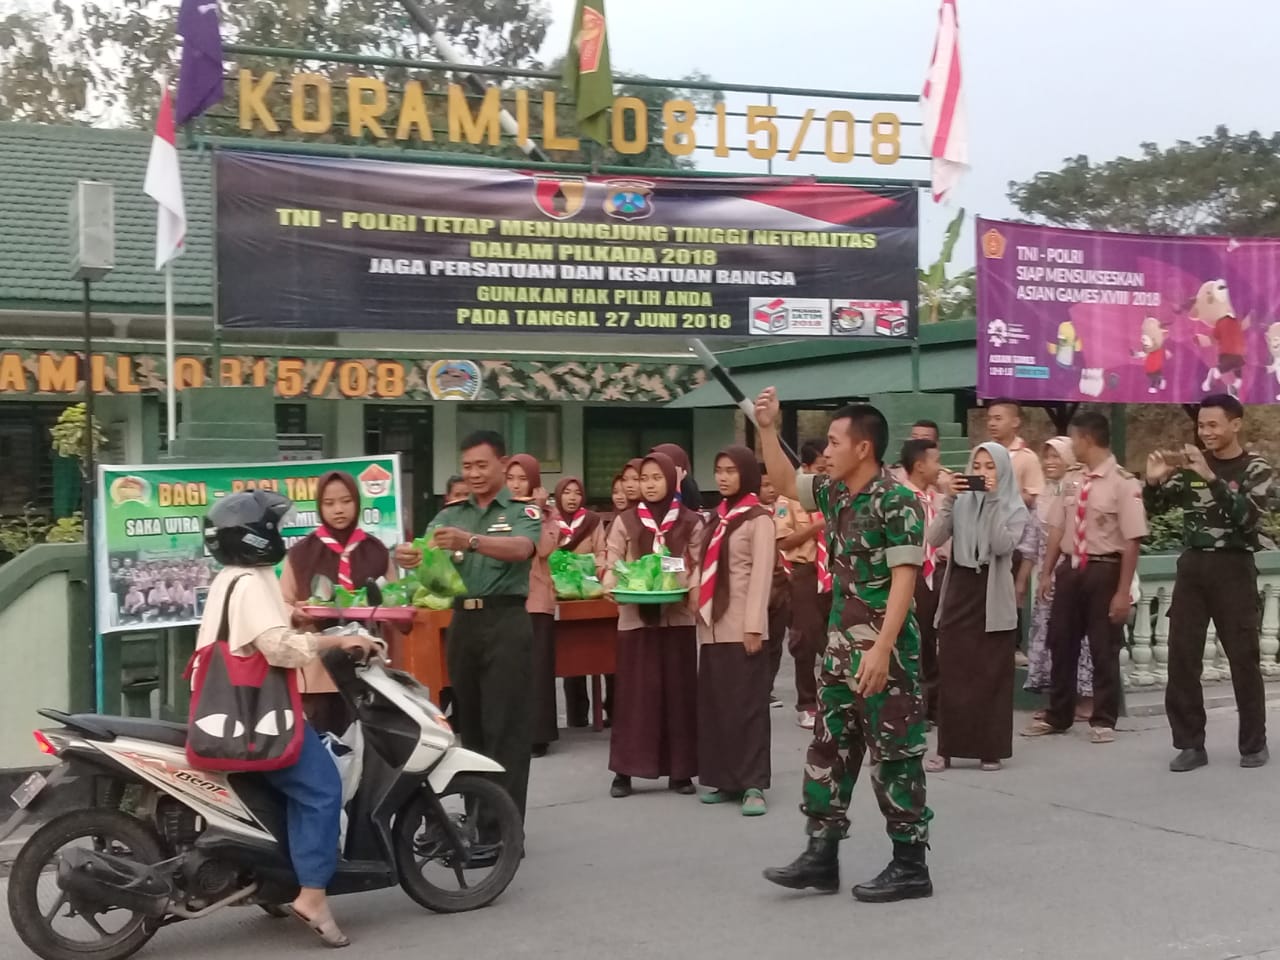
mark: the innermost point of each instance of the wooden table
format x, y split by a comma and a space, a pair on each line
586, 638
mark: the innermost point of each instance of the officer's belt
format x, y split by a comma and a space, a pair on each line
1105, 557
498, 602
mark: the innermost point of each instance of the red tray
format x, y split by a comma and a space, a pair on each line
376, 614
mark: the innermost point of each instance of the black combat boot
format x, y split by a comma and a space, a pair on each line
905, 878
818, 868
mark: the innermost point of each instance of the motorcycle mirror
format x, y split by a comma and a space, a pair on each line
373, 593
322, 587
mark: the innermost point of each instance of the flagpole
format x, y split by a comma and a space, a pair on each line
170, 375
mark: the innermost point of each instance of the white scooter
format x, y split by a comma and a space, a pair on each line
161, 842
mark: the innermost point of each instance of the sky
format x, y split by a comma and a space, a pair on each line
1043, 80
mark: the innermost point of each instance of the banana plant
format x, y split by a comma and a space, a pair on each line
943, 297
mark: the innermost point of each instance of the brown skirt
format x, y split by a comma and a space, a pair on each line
975, 667
733, 718
655, 711
542, 715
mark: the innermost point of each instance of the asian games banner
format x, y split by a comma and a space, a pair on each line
1121, 318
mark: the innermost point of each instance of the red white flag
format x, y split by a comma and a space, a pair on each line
946, 122
164, 185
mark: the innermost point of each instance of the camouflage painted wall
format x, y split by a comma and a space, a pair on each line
35, 373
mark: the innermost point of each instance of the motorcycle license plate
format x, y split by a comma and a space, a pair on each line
29, 790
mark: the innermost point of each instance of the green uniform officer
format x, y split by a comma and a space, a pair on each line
489, 644
869, 684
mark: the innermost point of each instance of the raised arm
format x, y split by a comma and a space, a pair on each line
782, 471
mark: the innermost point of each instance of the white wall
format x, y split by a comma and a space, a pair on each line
37, 620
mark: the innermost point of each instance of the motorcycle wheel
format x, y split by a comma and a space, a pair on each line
124, 933
421, 847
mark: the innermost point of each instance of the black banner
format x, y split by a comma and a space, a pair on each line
310, 243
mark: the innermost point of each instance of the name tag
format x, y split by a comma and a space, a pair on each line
673, 565
500, 528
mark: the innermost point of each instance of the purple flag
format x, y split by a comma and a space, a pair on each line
200, 81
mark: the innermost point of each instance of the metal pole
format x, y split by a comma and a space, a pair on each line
87, 508
171, 391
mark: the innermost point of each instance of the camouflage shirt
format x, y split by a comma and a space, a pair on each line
868, 534
1218, 514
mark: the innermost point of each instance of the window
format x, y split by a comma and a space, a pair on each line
532, 430
612, 437
291, 418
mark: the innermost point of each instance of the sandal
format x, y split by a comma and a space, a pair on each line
937, 764
991, 766
325, 928
1041, 728
1040, 715
1102, 735
753, 804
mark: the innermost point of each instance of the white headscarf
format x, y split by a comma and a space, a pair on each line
976, 516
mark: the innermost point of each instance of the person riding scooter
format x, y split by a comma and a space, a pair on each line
242, 532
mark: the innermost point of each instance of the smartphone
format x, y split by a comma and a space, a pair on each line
1174, 458
974, 483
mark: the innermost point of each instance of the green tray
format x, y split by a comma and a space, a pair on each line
650, 596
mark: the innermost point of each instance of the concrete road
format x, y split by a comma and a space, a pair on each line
1073, 851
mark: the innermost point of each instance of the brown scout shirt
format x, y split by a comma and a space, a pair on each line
1026, 469
788, 516
1114, 513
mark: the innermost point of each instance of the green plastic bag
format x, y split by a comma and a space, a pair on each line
437, 572
574, 575
643, 575
426, 599
344, 598
397, 594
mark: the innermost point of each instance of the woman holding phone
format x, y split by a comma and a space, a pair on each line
986, 521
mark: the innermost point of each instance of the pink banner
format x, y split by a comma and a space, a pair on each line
1121, 318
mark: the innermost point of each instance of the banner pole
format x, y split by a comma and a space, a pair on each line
171, 389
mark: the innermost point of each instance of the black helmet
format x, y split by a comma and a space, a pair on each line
243, 529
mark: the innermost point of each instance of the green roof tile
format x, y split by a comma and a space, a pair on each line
39, 166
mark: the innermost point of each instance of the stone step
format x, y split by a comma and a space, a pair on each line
212, 450
226, 430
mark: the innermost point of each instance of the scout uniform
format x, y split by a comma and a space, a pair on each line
807, 609
869, 533
1099, 512
1026, 469
1217, 579
489, 644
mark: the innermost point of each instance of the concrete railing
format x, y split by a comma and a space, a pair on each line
45, 654
1145, 664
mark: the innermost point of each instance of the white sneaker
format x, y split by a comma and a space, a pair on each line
774, 702
806, 719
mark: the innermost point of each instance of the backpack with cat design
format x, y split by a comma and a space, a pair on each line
246, 715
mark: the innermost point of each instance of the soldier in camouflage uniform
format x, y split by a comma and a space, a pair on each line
1222, 492
869, 683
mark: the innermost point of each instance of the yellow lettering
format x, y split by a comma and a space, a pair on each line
353, 378
366, 113
390, 380
189, 372
232, 372
413, 113
638, 142
522, 116
474, 127
60, 375
289, 382
13, 375
253, 101
300, 85
551, 140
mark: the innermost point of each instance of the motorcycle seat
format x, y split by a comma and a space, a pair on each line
137, 728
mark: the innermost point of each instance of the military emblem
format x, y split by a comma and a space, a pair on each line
532, 512
560, 198
453, 380
628, 199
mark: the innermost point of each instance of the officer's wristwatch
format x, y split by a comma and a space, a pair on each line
473, 544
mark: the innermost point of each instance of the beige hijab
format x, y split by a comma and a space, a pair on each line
1062, 447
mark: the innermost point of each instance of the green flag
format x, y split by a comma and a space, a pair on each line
587, 72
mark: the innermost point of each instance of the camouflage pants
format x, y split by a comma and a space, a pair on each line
891, 724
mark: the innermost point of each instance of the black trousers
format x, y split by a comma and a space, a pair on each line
490, 659
1082, 606
577, 702
926, 613
1222, 587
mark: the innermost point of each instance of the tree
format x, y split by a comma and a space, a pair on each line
1220, 184
99, 60
943, 297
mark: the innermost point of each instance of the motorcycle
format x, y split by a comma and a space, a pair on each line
163, 842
